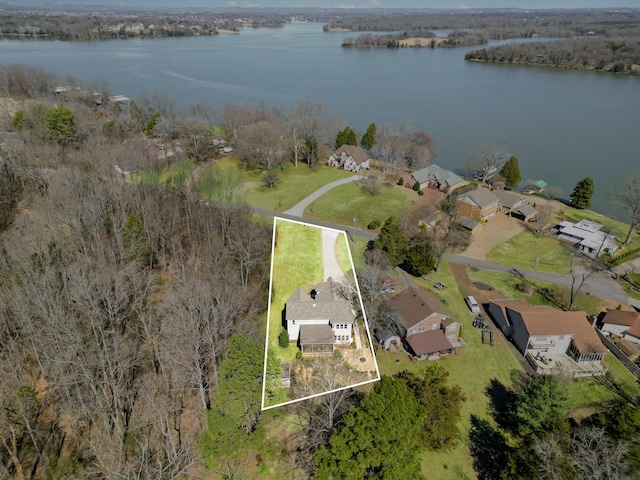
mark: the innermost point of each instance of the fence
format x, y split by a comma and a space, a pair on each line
620, 355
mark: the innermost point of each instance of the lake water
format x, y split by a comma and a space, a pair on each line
562, 125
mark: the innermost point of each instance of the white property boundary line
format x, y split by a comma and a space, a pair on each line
364, 316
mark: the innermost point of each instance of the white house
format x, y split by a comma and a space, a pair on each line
551, 340
588, 237
320, 319
350, 158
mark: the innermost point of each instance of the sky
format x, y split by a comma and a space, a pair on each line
448, 4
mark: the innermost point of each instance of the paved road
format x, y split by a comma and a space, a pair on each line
350, 231
298, 209
599, 284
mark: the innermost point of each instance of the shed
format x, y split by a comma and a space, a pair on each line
526, 213
386, 338
472, 225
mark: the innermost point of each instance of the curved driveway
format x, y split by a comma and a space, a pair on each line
298, 209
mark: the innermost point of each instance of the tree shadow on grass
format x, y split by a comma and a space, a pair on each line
489, 449
501, 399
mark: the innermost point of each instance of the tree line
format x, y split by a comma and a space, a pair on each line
496, 24
113, 24
618, 55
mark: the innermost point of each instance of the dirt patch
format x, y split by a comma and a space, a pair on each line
354, 357
483, 286
497, 230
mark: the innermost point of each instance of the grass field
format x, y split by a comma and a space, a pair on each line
297, 262
521, 251
345, 202
471, 368
295, 184
507, 283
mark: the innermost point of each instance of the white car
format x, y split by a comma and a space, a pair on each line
472, 304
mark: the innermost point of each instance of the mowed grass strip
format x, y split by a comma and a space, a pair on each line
521, 251
472, 368
295, 185
343, 203
297, 262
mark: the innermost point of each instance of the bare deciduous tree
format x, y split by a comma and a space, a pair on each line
627, 197
488, 159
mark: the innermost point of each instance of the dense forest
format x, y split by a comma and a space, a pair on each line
601, 54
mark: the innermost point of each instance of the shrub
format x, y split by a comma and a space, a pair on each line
401, 181
373, 224
283, 339
420, 192
17, 123
299, 355
416, 187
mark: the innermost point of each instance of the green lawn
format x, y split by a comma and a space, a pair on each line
472, 369
345, 202
295, 184
297, 262
507, 283
521, 251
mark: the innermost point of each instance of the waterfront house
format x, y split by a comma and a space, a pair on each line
350, 158
435, 177
588, 237
480, 204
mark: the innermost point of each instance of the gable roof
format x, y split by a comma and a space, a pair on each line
354, 152
443, 176
328, 304
508, 200
481, 197
546, 320
620, 317
526, 210
414, 306
431, 341
634, 330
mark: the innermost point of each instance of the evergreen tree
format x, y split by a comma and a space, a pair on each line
581, 196
380, 438
391, 240
511, 173
240, 387
60, 125
420, 260
346, 137
369, 137
441, 403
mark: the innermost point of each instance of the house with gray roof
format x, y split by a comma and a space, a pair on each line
320, 319
435, 177
588, 237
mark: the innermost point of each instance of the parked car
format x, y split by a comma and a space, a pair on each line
472, 304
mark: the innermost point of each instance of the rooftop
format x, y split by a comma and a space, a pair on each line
426, 343
414, 305
328, 304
